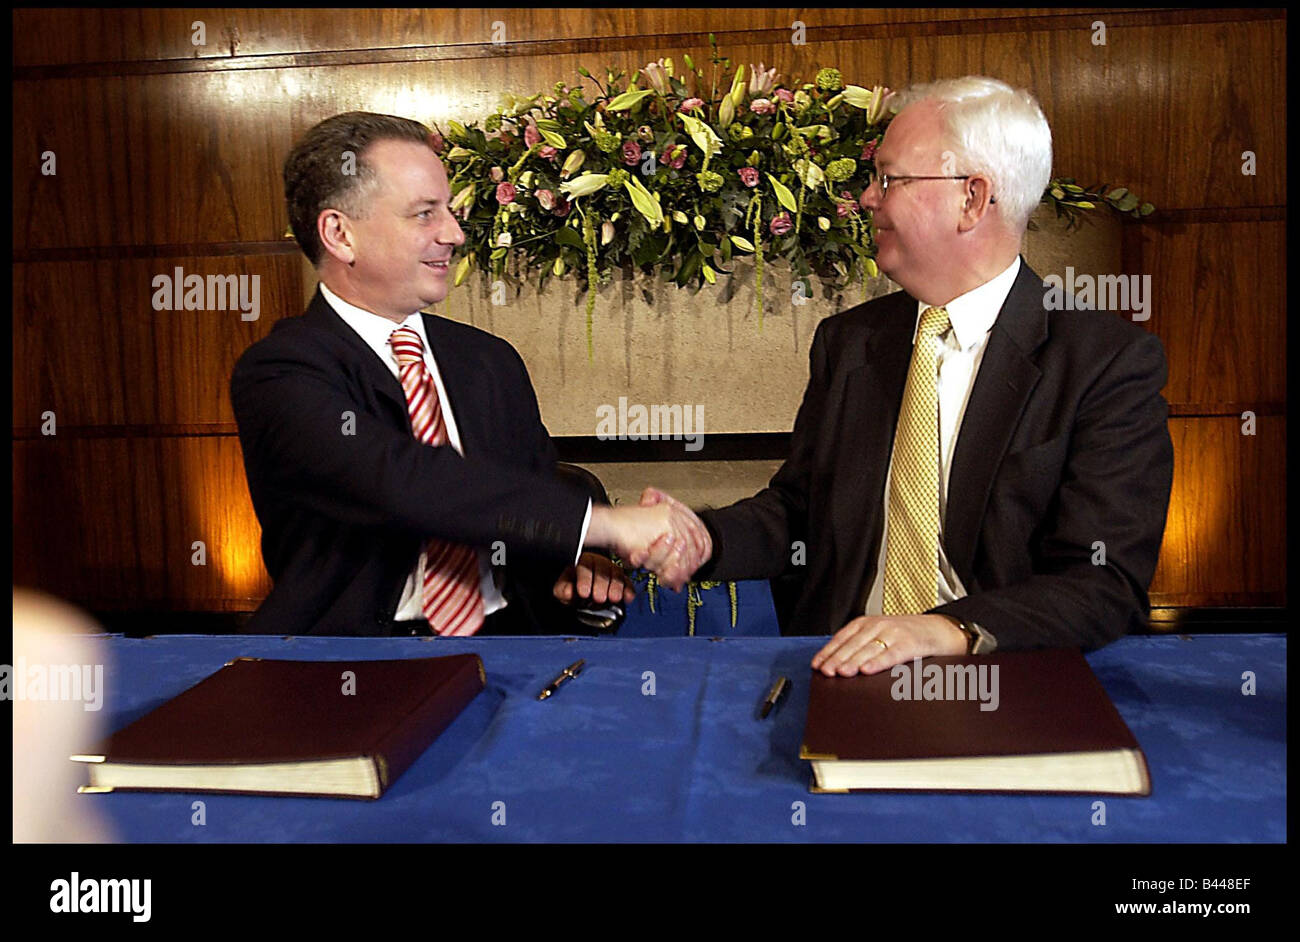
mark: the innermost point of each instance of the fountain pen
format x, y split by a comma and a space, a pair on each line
573, 670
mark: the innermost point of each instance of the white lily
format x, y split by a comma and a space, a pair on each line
572, 163
584, 185
726, 112
810, 173
737, 94
705, 138
872, 102
462, 199
761, 82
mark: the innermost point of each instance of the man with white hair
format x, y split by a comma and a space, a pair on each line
969, 470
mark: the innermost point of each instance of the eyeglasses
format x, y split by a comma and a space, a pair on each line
886, 179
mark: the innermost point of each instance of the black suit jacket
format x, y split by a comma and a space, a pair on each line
347, 497
1063, 447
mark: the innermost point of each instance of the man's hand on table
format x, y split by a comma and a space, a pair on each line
595, 577
854, 648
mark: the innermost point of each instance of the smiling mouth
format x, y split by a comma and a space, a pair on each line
438, 266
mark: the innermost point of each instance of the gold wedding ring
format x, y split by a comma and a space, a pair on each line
883, 645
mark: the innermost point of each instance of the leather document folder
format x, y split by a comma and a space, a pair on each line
1016, 721
272, 727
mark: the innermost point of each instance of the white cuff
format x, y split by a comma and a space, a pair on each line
582, 539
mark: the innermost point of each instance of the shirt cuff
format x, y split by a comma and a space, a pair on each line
582, 538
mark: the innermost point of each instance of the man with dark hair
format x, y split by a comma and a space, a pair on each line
396, 460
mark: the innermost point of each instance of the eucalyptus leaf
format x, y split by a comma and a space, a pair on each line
566, 236
626, 100
783, 194
645, 204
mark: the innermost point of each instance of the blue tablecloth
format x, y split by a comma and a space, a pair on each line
604, 760
670, 615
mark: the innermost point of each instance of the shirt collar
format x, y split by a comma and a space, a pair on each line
972, 314
373, 328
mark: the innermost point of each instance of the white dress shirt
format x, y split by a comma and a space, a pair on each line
375, 331
960, 352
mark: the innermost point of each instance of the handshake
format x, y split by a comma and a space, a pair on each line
660, 534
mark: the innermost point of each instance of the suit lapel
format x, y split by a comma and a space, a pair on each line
467, 385
371, 372
1006, 378
864, 438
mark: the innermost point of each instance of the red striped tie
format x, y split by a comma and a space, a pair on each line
452, 601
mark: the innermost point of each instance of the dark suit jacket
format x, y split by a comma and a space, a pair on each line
1063, 445
347, 497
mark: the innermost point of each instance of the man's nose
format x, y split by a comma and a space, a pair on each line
871, 196
452, 234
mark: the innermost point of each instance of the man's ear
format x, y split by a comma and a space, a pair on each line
336, 235
979, 197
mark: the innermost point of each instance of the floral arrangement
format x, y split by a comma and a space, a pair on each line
653, 175
694, 598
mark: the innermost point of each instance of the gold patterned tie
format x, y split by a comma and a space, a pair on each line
912, 546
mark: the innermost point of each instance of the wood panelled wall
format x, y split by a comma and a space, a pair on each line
168, 155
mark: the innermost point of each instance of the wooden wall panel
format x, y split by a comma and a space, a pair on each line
154, 160
196, 157
43, 37
170, 155
88, 345
1225, 537
128, 513
1219, 307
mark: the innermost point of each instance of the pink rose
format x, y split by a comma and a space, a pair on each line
675, 156
691, 104
780, 224
505, 193
846, 209
531, 136
631, 153
562, 208
748, 176
546, 199
437, 143
762, 106
785, 95
547, 152
868, 150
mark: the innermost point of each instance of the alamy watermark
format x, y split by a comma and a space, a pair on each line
77, 895
181, 292
1099, 293
640, 423
946, 682
23, 681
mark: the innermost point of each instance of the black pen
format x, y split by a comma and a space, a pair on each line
774, 695
573, 670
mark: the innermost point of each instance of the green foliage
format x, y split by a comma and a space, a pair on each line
695, 170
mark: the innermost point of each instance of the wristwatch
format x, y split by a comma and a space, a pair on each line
978, 641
